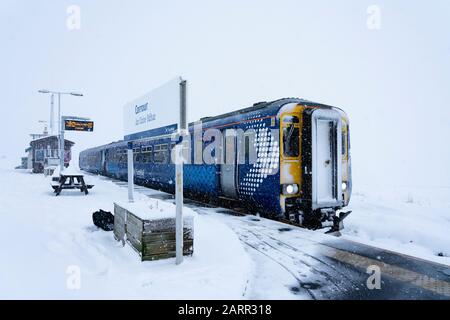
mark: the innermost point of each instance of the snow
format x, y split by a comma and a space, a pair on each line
153, 209
413, 221
71, 170
46, 241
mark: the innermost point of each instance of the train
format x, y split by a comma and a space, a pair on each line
284, 159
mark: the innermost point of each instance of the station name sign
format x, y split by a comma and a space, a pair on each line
158, 108
78, 125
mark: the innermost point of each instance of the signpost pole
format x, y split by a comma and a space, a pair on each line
130, 172
179, 176
52, 118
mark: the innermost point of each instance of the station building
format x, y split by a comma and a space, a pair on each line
44, 151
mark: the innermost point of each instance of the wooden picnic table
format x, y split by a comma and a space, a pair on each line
71, 181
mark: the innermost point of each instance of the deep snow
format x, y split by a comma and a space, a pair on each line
413, 221
45, 240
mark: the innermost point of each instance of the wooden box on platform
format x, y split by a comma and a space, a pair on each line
150, 233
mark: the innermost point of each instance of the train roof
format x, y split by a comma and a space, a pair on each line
261, 105
104, 145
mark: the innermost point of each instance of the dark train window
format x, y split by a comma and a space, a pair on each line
343, 143
136, 154
247, 149
161, 154
290, 119
250, 156
121, 156
291, 141
146, 154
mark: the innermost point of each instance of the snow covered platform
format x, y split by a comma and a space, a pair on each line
67, 257
149, 227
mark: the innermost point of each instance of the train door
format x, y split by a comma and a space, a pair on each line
326, 158
228, 170
325, 162
103, 161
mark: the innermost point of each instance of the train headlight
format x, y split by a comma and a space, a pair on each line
344, 186
290, 189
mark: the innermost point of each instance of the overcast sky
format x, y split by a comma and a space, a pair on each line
393, 81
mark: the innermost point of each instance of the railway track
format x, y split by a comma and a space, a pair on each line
317, 277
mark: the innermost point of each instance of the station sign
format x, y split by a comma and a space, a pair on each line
78, 125
156, 109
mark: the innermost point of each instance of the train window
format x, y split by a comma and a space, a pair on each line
136, 154
291, 141
146, 154
161, 153
290, 119
250, 152
247, 149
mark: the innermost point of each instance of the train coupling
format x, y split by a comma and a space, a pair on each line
338, 223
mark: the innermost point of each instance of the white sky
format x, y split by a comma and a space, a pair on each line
393, 82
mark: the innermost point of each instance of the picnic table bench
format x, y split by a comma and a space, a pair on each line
70, 181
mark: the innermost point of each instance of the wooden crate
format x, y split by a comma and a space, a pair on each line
120, 215
153, 239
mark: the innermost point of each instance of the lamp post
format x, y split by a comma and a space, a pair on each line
45, 132
61, 128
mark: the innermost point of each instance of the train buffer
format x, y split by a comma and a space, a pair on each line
69, 180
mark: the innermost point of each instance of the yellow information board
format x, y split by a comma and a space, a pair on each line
77, 125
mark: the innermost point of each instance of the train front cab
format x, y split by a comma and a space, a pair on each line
315, 176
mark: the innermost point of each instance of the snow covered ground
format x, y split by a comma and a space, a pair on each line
46, 241
413, 221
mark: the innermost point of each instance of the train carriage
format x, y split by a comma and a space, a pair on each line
288, 158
